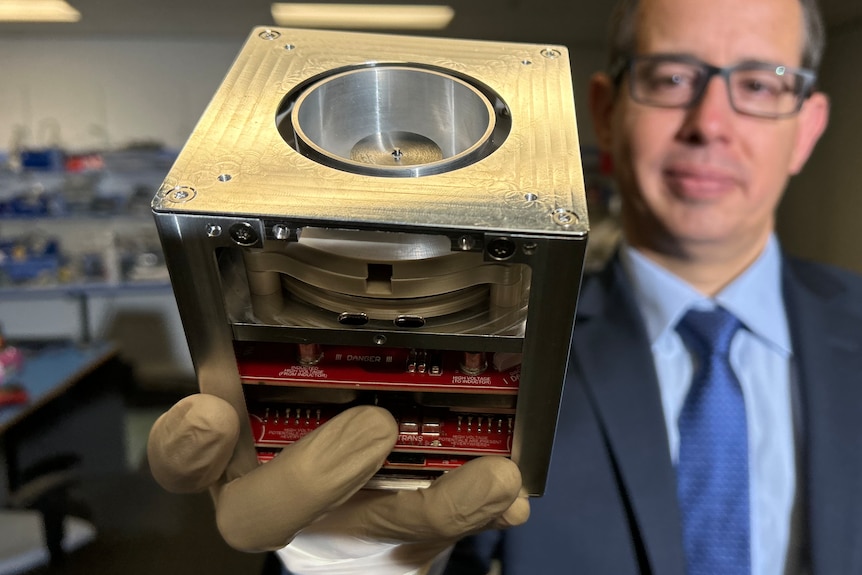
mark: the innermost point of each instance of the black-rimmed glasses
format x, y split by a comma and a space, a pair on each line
754, 88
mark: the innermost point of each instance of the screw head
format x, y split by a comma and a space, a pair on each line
501, 248
243, 234
565, 218
466, 243
181, 194
281, 231
269, 34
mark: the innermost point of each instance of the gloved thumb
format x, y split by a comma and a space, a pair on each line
481, 494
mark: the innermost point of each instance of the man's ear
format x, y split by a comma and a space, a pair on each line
602, 96
813, 118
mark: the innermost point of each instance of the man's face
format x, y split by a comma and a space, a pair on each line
707, 179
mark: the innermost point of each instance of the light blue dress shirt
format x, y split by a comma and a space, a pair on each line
761, 357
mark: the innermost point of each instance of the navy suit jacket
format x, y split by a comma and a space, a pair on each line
610, 506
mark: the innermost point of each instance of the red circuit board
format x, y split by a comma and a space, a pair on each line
411, 462
461, 434
345, 367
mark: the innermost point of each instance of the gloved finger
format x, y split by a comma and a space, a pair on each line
517, 513
190, 444
466, 500
264, 509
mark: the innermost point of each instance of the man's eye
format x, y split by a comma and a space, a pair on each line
758, 86
762, 86
671, 80
667, 79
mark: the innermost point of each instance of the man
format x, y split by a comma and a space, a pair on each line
701, 168
708, 109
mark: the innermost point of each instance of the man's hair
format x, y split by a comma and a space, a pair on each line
624, 28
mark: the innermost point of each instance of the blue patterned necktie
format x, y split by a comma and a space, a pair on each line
712, 472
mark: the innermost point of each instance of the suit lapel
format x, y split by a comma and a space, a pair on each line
827, 336
610, 355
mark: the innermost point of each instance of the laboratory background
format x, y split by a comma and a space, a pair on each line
93, 111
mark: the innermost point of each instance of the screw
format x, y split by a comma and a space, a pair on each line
280, 231
181, 194
466, 243
565, 217
213, 230
501, 248
269, 35
225, 177
243, 234
551, 53
397, 154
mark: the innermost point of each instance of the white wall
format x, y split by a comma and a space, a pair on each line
107, 92
822, 212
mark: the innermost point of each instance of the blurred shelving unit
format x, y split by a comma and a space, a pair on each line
80, 257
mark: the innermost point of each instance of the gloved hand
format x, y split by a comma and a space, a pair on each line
318, 481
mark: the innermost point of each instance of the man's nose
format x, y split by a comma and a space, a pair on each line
711, 114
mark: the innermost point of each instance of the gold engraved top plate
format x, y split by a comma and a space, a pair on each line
387, 131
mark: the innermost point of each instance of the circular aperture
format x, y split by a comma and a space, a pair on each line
394, 120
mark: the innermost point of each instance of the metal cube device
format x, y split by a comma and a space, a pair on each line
388, 220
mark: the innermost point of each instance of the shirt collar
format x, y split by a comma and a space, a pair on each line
755, 297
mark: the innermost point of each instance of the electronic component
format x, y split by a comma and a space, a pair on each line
435, 404
370, 368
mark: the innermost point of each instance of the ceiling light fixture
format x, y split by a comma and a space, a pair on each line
362, 16
37, 11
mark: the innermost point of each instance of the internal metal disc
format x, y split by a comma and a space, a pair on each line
396, 148
426, 307
375, 246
